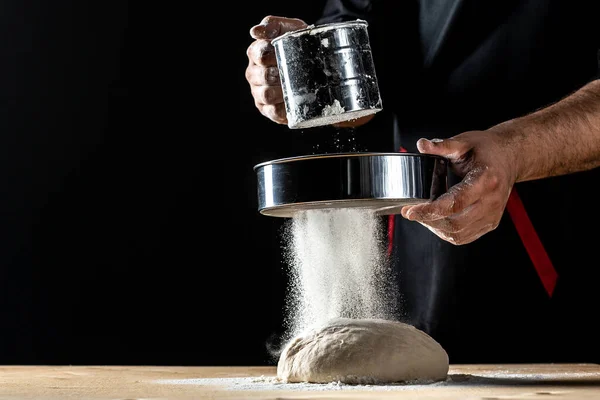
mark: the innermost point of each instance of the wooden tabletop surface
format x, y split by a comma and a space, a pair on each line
518, 381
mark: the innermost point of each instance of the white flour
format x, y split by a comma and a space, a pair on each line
338, 267
333, 109
263, 383
502, 378
331, 115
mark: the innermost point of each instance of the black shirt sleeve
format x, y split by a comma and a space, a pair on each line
345, 10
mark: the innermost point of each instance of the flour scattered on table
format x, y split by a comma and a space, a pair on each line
264, 383
482, 379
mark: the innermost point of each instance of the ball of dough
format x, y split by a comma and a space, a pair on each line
363, 351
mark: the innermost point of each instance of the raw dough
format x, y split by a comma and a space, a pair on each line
363, 351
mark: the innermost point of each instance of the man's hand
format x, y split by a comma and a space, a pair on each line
474, 206
560, 139
262, 73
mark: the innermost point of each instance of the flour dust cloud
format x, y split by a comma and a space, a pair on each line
337, 267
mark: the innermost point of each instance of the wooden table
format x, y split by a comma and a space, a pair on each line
522, 381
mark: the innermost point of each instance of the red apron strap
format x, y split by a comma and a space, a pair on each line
532, 243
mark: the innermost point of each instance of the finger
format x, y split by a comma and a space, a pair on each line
275, 112
467, 222
455, 200
467, 235
269, 95
481, 210
453, 149
272, 26
257, 75
457, 223
261, 52
472, 235
442, 235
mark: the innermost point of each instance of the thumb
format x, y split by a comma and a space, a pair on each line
272, 26
452, 149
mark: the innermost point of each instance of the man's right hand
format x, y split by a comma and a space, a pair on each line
262, 73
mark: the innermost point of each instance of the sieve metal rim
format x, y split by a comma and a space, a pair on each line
342, 155
380, 181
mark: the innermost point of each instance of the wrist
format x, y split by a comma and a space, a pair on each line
513, 140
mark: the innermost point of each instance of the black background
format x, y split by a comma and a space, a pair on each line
129, 231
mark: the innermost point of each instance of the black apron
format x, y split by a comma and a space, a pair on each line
526, 291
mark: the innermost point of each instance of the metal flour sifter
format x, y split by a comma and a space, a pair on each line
328, 76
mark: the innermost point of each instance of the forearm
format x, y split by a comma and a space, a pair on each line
559, 139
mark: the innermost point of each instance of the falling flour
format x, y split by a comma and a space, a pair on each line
338, 267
